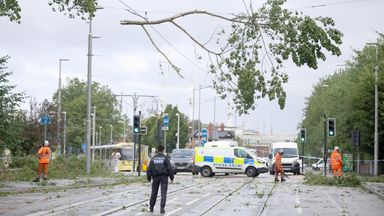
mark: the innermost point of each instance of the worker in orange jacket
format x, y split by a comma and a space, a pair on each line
44, 155
279, 166
336, 163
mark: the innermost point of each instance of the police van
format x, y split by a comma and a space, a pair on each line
212, 160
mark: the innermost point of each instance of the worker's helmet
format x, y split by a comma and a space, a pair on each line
46, 143
281, 151
336, 148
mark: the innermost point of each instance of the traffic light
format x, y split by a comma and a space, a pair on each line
303, 136
136, 124
331, 127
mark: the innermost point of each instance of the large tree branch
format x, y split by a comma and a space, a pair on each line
172, 18
177, 69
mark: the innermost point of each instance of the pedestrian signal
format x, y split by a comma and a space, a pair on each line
331, 127
303, 135
136, 124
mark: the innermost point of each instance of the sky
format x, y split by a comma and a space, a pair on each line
126, 62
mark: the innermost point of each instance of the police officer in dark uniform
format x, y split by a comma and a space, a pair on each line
159, 169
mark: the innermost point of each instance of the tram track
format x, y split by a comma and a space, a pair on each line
265, 202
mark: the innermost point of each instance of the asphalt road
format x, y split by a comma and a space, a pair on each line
196, 195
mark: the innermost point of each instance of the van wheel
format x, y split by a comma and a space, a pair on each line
251, 172
206, 171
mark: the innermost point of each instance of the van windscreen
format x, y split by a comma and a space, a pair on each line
287, 152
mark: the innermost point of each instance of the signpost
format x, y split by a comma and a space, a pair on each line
165, 128
45, 120
204, 136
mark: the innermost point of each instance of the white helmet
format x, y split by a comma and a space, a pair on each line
336, 148
46, 143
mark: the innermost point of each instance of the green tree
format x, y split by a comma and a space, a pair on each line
10, 117
348, 95
152, 139
268, 35
74, 101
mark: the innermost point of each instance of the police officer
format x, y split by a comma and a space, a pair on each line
159, 169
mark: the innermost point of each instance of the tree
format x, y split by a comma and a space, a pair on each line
152, 139
267, 36
348, 96
10, 117
73, 102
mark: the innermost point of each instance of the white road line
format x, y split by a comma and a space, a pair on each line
140, 213
205, 195
337, 205
170, 213
171, 200
298, 202
193, 201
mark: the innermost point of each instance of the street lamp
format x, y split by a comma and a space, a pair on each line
59, 110
376, 134
100, 135
111, 133
199, 129
65, 131
178, 130
89, 96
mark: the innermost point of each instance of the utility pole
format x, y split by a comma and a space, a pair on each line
59, 110
325, 146
93, 132
135, 98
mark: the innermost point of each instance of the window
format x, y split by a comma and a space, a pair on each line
240, 153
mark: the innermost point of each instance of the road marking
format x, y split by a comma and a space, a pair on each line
297, 200
171, 200
205, 195
170, 213
140, 213
193, 201
334, 202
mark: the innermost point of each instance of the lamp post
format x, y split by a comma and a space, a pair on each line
100, 135
178, 130
89, 96
111, 133
376, 133
199, 127
65, 131
59, 110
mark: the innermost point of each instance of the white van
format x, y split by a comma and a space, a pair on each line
222, 143
212, 160
290, 158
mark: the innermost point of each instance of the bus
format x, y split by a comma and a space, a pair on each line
119, 157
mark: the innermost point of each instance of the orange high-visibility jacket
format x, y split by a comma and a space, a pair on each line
278, 165
336, 160
44, 154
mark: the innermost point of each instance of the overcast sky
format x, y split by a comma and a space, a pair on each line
125, 60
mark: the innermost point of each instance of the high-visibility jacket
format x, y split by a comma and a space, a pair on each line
278, 165
336, 160
44, 154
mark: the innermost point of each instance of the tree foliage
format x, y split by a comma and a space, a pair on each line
152, 139
248, 60
74, 103
10, 117
264, 37
348, 96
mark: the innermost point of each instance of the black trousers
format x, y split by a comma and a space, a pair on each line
157, 181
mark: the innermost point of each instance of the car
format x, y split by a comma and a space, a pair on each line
174, 168
183, 159
319, 165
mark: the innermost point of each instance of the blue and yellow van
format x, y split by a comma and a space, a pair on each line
212, 160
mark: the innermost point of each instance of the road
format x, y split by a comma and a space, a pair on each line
196, 195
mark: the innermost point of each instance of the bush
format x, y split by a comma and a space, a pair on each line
69, 167
350, 180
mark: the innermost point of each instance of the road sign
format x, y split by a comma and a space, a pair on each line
46, 104
84, 147
165, 121
143, 130
203, 141
45, 120
204, 132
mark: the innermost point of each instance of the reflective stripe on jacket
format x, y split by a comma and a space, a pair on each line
44, 154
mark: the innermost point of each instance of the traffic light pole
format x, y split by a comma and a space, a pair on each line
135, 98
325, 146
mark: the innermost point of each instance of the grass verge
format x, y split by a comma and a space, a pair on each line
347, 180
